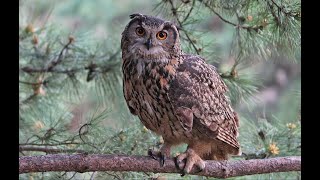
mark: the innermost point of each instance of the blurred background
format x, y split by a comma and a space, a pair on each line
70, 81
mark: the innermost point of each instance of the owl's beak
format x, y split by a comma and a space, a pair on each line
148, 43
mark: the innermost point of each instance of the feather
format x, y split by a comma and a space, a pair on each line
199, 87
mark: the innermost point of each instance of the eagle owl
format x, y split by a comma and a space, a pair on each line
176, 95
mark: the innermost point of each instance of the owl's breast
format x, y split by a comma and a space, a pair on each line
146, 86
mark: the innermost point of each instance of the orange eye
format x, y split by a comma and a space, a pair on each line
140, 31
162, 35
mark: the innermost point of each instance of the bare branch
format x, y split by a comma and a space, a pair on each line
96, 162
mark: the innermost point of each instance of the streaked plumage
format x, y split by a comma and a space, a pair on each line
176, 95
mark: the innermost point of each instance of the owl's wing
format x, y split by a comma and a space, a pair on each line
199, 87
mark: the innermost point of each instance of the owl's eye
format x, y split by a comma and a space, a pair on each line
162, 35
140, 31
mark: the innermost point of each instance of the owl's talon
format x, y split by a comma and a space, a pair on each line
176, 162
162, 159
180, 164
190, 159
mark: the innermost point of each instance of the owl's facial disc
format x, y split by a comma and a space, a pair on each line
150, 38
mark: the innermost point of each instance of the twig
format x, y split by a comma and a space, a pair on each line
102, 69
98, 162
31, 83
256, 28
53, 63
276, 18
28, 98
56, 144
114, 175
49, 150
187, 16
59, 59
72, 176
41, 70
193, 45
282, 9
84, 132
217, 14
181, 26
93, 175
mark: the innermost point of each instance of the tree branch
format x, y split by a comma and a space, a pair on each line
95, 162
174, 12
49, 149
256, 28
55, 144
61, 54
283, 10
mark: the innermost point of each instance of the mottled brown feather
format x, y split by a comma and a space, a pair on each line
199, 87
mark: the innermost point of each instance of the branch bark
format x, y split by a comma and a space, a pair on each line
95, 162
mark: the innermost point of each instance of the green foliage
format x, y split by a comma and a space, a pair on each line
70, 81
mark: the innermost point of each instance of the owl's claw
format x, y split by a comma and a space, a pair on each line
185, 162
180, 165
157, 156
162, 159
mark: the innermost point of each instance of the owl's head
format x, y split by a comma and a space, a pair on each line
150, 38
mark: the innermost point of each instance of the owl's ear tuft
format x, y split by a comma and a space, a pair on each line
172, 24
179, 28
135, 15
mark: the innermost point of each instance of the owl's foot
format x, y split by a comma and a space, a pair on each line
160, 155
185, 161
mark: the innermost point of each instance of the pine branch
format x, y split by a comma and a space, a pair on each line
32, 83
95, 162
61, 54
28, 98
174, 12
28, 69
282, 9
91, 67
49, 149
249, 28
56, 144
190, 10
276, 18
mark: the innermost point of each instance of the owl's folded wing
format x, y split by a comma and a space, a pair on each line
199, 87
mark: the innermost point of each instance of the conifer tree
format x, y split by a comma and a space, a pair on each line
70, 82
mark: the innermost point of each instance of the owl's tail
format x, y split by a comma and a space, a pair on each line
222, 151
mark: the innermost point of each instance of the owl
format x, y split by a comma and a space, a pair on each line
176, 95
